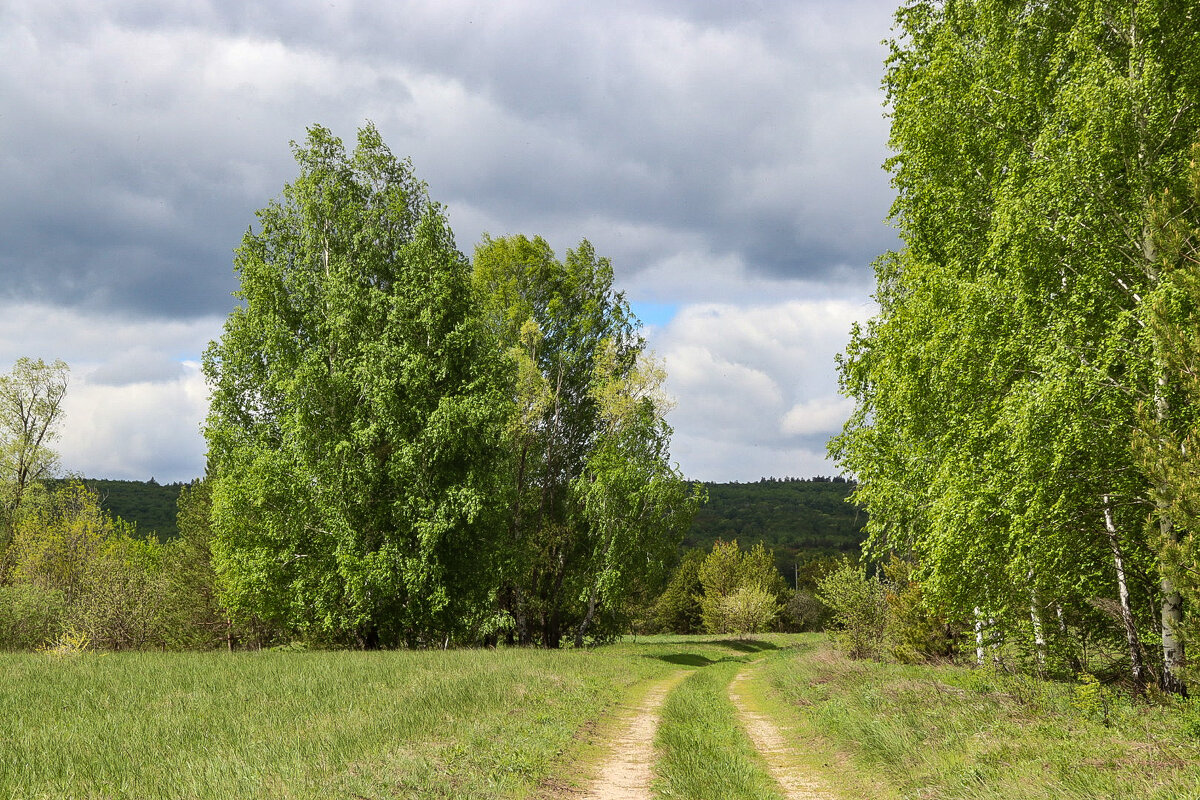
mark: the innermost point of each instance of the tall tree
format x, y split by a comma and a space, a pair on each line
592, 497
31, 398
997, 391
356, 407
1167, 446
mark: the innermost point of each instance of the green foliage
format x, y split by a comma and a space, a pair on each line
58, 544
1093, 699
741, 590
804, 612
750, 609
356, 410
1165, 443
68, 548
31, 398
677, 609
859, 607
913, 630
595, 508
194, 617
998, 389
148, 506
799, 520
29, 615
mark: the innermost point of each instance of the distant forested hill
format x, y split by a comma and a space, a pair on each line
797, 518
149, 505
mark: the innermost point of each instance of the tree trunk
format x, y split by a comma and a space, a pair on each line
1039, 640
587, 619
1174, 657
1136, 668
1172, 616
978, 637
551, 630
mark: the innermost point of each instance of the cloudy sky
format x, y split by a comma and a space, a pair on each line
725, 156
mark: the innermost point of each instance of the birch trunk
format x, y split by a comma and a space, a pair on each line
978, 637
1136, 668
1172, 616
1039, 640
587, 620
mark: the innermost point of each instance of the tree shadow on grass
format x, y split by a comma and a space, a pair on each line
746, 645
686, 659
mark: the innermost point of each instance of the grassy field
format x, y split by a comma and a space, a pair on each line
519, 723
478, 724
299, 725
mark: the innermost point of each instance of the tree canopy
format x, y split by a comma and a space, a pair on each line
595, 506
997, 392
356, 408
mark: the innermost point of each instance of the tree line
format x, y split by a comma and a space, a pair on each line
406, 447
1027, 398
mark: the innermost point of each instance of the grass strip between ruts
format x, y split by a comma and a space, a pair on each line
704, 754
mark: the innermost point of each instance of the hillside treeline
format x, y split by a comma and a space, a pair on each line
151, 507
406, 446
797, 519
1026, 412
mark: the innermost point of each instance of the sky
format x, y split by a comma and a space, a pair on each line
727, 157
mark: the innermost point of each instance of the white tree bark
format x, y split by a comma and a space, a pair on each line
1137, 670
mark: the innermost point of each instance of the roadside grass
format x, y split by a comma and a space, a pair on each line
704, 754
956, 732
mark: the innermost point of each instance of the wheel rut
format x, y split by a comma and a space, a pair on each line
773, 747
629, 769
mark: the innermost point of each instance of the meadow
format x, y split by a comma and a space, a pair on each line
528, 723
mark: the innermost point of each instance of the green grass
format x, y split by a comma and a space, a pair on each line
704, 754
954, 732
516, 723
458, 724
139, 725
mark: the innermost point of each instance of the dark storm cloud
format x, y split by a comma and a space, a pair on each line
139, 141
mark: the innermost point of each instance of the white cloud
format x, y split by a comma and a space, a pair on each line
755, 386
136, 431
136, 396
822, 415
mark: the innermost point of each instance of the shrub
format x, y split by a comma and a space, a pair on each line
859, 609
805, 612
30, 616
914, 631
726, 572
750, 609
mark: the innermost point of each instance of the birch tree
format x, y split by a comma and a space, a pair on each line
31, 398
356, 406
593, 501
997, 391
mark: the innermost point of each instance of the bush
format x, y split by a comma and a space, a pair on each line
859, 609
677, 609
727, 576
914, 631
750, 609
30, 616
804, 612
